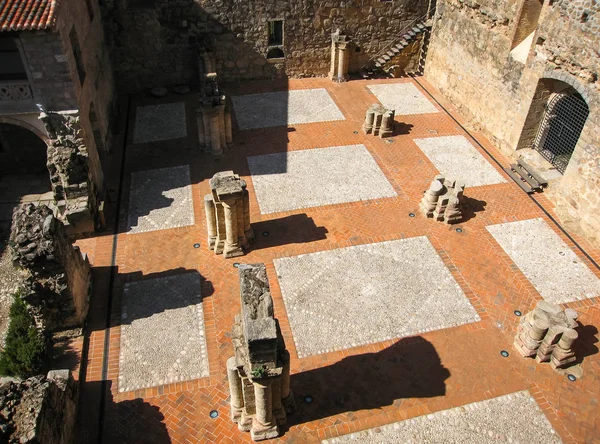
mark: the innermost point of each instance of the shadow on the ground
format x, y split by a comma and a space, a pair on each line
470, 208
295, 229
158, 292
133, 421
585, 345
401, 128
410, 368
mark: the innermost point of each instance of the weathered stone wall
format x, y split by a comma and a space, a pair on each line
39, 409
469, 61
58, 278
55, 80
154, 43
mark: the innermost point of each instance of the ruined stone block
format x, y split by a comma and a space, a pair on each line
443, 200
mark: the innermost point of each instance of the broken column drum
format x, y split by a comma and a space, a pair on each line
259, 371
547, 334
443, 200
227, 211
379, 121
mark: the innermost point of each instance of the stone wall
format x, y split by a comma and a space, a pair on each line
53, 71
155, 42
470, 62
39, 409
57, 280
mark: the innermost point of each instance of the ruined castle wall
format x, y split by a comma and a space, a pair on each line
469, 61
154, 43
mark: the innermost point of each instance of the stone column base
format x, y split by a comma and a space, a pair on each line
260, 432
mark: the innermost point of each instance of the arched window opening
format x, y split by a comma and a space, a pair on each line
564, 118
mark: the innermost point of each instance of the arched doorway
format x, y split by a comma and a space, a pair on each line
24, 176
564, 118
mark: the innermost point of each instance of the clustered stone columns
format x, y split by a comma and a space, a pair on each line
213, 115
443, 200
227, 211
547, 334
340, 57
379, 121
259, 371
57, 277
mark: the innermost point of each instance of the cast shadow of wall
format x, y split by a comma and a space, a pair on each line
410, 368
133, 421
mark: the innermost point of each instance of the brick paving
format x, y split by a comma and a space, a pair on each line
354, 389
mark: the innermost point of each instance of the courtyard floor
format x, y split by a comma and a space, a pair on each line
394, 322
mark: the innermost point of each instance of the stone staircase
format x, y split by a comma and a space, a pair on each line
382, 64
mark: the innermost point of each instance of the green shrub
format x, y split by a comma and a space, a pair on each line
25, 347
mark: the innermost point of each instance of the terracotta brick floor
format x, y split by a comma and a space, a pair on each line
361, 387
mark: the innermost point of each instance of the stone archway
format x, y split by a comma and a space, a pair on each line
24, 175
557, 116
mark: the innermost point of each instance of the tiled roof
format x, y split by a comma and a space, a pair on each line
19, 15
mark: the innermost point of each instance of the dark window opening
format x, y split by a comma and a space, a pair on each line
11, 64
90, 8
275, 53
276, 32
77, 55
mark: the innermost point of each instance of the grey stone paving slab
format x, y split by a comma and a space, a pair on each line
160, 199
457, 159
284, 108
365, 294
311, 178
550, 265
162, 332
405, 98
514, 418
154, 123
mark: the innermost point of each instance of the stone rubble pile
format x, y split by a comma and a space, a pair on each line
443, 200
547, 334
259, 371
57, 282
379, 121
39, 409
227, 211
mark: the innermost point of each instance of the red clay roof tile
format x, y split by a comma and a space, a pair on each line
19, 15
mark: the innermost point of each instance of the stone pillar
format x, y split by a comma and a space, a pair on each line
206, 126
236, 401
342, 72
287, 396
222, 134
215, 132
201, 132
369, 119
232, 245
211, 220
263, 426
228, 129
334, 55
387, 124
248, 231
